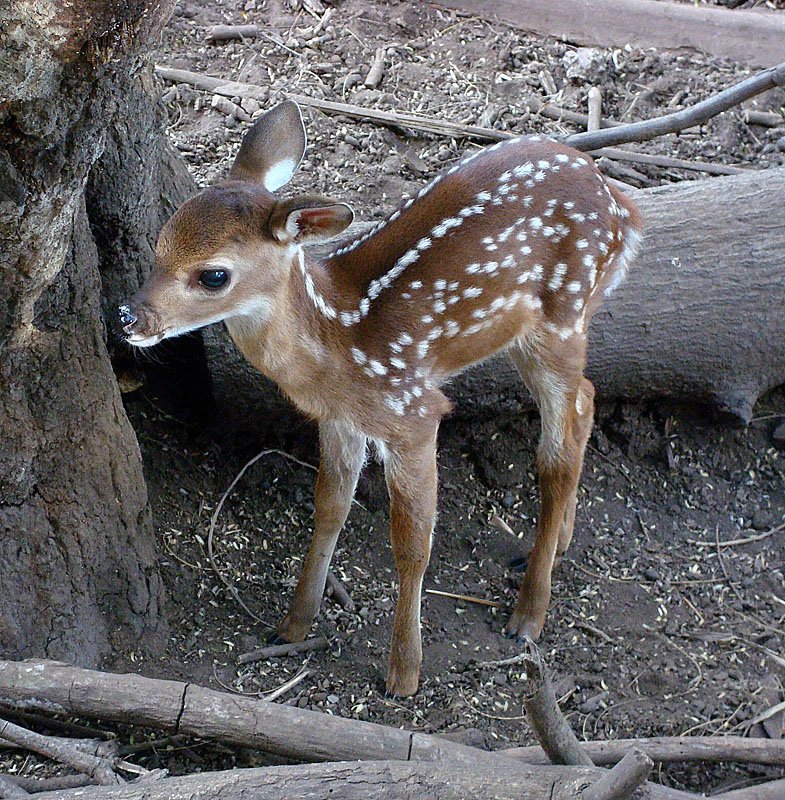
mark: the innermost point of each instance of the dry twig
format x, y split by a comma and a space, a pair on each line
279, 650
674, 749
290, 684
698, 114
340, 594
750, 539
480, 601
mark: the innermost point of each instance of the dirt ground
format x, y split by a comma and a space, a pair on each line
657, 625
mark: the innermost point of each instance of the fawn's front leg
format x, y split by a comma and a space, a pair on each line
342, 454
411, 481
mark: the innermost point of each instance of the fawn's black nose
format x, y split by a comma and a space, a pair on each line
126, 318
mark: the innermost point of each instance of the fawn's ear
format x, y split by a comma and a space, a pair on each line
272, 149
306, 220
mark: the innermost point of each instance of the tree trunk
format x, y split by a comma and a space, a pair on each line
700, 317
79, 573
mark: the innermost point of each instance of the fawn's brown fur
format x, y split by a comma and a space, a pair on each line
512, 248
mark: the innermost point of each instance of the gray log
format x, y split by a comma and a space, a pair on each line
197, 711
701, 316
382, 780
643, 23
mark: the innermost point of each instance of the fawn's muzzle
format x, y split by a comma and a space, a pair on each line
127, 319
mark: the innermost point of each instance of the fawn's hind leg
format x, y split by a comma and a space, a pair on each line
554, 375
582, 423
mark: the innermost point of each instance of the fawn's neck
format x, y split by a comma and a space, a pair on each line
297, 345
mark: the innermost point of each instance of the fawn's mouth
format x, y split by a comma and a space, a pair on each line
133, 326
140, 340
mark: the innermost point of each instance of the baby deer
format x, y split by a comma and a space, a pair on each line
512, 248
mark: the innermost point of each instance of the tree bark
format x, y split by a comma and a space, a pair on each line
384, 780
79, 574
699, 317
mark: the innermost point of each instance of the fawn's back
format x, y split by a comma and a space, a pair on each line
520, 239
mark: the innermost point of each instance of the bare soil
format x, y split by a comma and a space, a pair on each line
655, 627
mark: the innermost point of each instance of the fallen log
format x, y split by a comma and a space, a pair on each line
771, 790
382, 780
643, 23
184, 708
697, 319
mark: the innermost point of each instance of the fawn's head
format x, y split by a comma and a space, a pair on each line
228, 251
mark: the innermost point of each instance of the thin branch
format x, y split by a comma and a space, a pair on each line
340, 594
59, 750
750, 539
590, 142
673, 750
290, 684
279, 650
698, 114
480, 601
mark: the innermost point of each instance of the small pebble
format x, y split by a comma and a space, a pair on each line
778, 437
761, 520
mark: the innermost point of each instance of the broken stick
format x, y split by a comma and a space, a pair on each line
595, 109
288, 649
623, 779
340, 594
554, 733
374, 76
59, 750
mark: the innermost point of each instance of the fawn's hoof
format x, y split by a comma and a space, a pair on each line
276, 638
400, 684
519, 563
521, 627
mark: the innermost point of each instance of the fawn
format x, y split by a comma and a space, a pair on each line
512, 248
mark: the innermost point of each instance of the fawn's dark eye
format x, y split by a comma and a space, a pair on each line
213, 278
